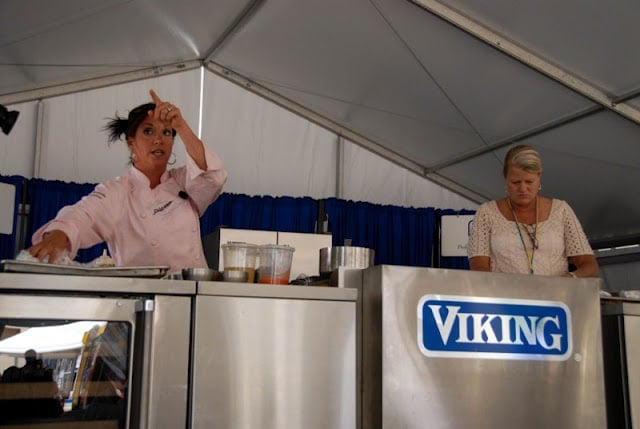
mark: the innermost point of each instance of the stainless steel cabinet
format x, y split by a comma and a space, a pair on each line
621, 341
458, 349
274, 357
136, 373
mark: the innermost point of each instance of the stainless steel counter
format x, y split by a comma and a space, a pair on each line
619, 306
277, 291
155, 316
460, 349
116, 285
235, 355
280, 356
621, 342
269, 356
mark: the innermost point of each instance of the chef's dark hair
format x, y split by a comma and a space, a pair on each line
119, 127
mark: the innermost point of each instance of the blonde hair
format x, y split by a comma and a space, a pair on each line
523, 156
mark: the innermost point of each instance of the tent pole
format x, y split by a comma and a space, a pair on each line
38, 144
340, 167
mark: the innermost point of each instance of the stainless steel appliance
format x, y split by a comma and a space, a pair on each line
332, 258
458, 349
131, 371
620, 334
269, 356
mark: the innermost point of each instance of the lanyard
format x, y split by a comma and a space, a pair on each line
533, 236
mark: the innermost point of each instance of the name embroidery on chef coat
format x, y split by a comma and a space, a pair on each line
162, 208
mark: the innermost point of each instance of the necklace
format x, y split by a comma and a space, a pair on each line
533, 236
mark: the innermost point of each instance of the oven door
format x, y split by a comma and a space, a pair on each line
68, 361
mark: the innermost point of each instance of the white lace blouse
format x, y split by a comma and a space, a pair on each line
560, 236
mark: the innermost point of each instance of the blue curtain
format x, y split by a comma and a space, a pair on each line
287, 214
8, 241
399, 235
454, 262
46, 198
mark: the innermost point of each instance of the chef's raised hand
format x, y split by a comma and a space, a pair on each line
170, 114
53, 244
167, 112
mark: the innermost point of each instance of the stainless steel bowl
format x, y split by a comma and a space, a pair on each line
345, 256
200, 274
174, 276
235, 276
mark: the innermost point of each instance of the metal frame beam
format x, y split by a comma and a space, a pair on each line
344, 132
532, 60
56, 90
238, 22
516, 138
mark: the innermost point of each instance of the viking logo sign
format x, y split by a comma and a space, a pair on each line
493, 328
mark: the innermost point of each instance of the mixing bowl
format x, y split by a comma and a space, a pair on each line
345, 256
200, 274
235, 276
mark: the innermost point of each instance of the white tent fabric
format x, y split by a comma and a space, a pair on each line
432, 93
48, 340
266, 149
74, 146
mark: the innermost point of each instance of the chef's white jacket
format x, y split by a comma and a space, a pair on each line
144, 226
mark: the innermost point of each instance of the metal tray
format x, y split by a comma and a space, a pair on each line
14, 266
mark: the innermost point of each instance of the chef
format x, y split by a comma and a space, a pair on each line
149, 216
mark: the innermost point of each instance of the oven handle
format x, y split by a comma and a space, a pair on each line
145, 309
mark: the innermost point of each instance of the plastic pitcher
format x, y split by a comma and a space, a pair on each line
240, 257
275, 264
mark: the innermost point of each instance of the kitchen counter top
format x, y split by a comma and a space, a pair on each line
277, 291
124, 285
619, 305
48, 282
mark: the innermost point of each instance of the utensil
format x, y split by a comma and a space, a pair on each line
345, 256
174, 276
237, 256
10, 265
236, 276
200, 274
275, 264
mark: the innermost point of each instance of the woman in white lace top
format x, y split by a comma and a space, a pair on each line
528, 233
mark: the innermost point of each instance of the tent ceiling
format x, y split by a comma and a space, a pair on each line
58, 340
424, 84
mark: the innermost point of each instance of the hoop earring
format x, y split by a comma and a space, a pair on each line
540, 187
132, 158
174, 159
